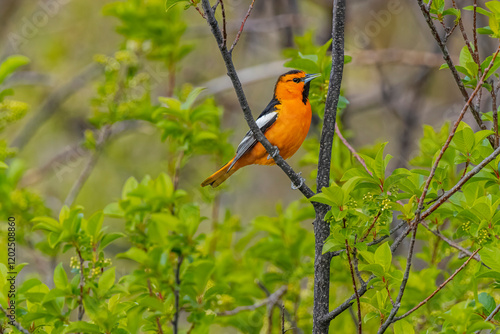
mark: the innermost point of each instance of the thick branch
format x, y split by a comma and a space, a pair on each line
321, 228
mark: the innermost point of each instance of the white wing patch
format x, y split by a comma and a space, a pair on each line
263, 122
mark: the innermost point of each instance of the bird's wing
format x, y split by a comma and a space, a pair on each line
264, 122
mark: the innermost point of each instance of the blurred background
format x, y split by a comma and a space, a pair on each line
393, 85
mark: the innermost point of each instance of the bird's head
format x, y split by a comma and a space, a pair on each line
293, 85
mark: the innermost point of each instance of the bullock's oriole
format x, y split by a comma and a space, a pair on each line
285, 123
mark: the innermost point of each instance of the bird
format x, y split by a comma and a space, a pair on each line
285, 122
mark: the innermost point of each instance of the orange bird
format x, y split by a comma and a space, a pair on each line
285, 123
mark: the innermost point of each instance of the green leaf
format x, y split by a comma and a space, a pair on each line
479, 10
3, 165
487, 301
11, 64
82, 327
383, 256
191, 98
94, 224
303, 64
171, 3
60, 277
106, 281
403, 327
136, 254
491, 257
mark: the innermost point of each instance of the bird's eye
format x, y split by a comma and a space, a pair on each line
296, 80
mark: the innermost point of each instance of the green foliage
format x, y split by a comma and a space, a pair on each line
177, 256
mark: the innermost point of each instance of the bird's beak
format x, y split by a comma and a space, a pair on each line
309, 77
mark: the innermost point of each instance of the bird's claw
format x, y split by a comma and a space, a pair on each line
275, 153
294, 187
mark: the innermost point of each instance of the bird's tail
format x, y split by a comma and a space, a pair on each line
220, 176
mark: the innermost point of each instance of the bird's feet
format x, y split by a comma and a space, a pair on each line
274, 154
294, 187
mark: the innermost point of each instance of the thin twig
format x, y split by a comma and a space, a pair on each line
451, 242
450, 137
466, 39
238, 35
492, 314
402, 287
474, 32
272, 299
175, 320
371, 227
354, 285
351, 149
197, 8
151, 293
224, 27
460, 183
16, 324
494, 107
364, 287
438, 289
81, 309
449, 62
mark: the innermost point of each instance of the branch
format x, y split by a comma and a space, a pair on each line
360, 331
271, 300
175, 321
402, 287
321, 228
438, 289
452, 243
242, 26
364, 287
351, 149
16, 324
492, 314
460, 183
158, 324
81, 309
450, 137
447, 58
231, 72
53, 102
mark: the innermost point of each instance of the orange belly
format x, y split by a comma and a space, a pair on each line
287, 133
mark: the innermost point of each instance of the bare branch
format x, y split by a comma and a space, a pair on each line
350, 148
271, 300
452, 243
449, 62
438, 289
238, 35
